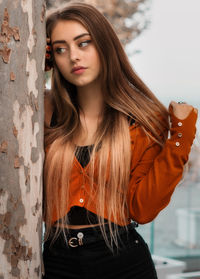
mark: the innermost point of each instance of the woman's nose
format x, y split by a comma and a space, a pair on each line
74, 54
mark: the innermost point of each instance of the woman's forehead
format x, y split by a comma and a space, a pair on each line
68, 29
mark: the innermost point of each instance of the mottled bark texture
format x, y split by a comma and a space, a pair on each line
22, 50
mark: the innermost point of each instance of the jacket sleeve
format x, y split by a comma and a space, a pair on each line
159, 170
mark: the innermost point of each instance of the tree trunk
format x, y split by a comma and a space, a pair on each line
22, 49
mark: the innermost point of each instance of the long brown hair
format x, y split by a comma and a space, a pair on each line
126, 97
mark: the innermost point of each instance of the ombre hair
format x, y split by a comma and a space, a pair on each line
126, 97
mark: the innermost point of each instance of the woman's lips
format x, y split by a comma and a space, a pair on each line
78, 70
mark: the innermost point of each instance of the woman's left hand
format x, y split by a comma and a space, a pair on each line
48, 56
181, 110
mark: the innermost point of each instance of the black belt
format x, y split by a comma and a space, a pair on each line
80, 237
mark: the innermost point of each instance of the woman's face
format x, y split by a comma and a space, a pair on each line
75, 53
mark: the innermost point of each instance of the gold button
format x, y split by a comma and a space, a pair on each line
180, 124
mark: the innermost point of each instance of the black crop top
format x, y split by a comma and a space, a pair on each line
80, 215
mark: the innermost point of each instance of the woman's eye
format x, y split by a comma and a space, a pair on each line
85, 43
60, 50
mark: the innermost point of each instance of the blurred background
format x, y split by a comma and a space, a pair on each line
162, 41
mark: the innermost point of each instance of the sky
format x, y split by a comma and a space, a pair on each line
169, 57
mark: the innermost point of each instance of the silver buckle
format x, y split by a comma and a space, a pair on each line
71, 242
78, 240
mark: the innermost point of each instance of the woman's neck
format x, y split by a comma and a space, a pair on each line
90, 99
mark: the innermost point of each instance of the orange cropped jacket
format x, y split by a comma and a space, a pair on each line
155, 172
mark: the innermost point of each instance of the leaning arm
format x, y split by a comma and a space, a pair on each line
159, 170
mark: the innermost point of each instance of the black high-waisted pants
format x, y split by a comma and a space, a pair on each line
94, 260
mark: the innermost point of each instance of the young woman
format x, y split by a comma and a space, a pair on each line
109, 164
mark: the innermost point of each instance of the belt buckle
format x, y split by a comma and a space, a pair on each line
78, 240
71, 242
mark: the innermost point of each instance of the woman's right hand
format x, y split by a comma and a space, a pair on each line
48, 56
181, 110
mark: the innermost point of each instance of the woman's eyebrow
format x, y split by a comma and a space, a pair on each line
74, 39
79, 36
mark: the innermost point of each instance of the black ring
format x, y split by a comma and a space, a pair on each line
181, 102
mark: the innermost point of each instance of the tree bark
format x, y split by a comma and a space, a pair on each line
22, 52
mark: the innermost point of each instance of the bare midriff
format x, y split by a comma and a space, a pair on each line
76, 227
